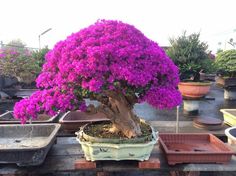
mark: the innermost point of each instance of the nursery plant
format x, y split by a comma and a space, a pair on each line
111, 62
191, 56
226, 63
39, 55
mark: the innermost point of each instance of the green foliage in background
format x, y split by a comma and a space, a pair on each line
39, 55
226, 63
191, 56
17, 61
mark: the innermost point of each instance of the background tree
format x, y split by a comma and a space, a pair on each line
39, 55
190, 55
226, 63
16, 44
17, 61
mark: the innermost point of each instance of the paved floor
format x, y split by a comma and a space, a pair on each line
207, 108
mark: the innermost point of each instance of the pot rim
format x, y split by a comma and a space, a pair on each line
195, 83
227, 112
227, 133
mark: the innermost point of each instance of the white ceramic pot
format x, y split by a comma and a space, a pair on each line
95, 151
229, 116
231, 134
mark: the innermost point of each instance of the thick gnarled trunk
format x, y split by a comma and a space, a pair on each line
119, 111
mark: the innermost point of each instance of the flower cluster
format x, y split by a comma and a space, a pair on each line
45, 101
108, 55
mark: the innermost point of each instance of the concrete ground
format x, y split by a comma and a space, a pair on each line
207, 108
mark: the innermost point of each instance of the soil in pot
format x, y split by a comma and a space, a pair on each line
97, 130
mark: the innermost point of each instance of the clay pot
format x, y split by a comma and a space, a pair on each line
194, 148
73, 120
194, 89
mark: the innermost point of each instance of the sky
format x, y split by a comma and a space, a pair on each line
158, 20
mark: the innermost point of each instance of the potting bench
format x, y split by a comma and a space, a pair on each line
65, 155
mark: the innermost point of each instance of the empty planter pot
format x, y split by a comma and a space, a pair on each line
73, 120
26, 145
229, 116
8, 118
231, 134
194, 148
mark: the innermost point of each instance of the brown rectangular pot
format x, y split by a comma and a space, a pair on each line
194, 148
73, 120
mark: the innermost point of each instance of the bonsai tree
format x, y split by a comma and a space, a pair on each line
226, 63
111, 62
191, 56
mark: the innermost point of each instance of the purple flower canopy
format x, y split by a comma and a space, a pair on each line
108, 55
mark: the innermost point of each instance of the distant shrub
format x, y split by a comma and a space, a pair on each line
191, 56
226, 63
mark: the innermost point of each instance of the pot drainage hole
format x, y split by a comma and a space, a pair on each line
199, 150
195, 150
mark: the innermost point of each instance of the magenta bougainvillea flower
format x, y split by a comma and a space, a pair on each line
108, 55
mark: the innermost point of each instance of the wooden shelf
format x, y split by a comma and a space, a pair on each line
63, 156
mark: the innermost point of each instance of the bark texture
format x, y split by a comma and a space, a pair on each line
119, 109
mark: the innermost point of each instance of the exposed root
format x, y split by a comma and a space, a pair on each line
114, 130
